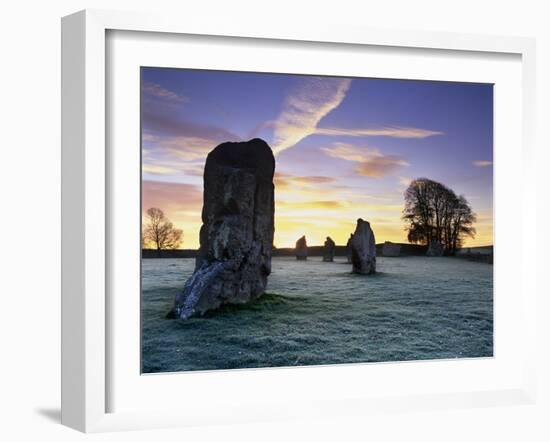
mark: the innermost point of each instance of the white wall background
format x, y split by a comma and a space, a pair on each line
30, 219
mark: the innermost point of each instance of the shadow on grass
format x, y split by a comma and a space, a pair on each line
272, 302
268, 302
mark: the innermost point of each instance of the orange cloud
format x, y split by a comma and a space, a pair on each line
170, 196
379, 165
284, 181
314, 204
371, 162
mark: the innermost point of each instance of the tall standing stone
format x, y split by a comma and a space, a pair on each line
363, 249
236, 237
301, 249
328, 250
348, 248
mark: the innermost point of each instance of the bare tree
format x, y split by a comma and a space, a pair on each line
160, 232
434, 213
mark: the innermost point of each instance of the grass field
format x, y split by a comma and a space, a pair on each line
319, 313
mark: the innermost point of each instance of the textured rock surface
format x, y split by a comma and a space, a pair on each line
236, 237
301, 248
348, 248
390, 249
328, 250
435, 249
363, 249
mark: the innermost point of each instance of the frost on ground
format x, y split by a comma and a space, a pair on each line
316, 313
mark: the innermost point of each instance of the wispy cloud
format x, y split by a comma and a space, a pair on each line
178, 148
370, 162
346, 152
170, 142
163, 123
320, 204
305, 107
482, 163
166, 135
394, 132
284, 181
172, 168
313, 99
379, 165
157, 169
156, 90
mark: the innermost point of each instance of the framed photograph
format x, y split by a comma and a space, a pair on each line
269, 222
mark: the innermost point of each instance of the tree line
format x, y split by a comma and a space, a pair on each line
433, 212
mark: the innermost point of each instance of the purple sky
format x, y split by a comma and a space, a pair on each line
344, 147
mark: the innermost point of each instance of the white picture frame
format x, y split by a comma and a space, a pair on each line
86, 356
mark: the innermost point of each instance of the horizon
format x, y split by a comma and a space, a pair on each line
345, 148
322, 245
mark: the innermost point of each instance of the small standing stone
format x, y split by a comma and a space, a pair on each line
301, 249
363, 249
328, 251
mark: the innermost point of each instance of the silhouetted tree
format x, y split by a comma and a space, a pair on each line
160, 232
433, 212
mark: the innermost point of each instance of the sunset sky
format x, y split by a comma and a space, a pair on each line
344, 148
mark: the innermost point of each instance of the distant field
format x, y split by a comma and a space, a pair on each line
319, 313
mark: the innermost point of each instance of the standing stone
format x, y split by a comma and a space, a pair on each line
363, 249
435, 249
390, 249
236, 236
348, 248
328, 250
301, 249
